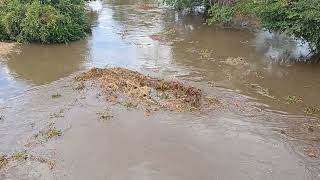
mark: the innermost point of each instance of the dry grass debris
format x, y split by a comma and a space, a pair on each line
310, 110
3, 161
172, 95
48, 134
20, 156
293, 99
24, 156
105, 115
238, 61
6, 48
146, 6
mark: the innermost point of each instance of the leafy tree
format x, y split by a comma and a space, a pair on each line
44, 21
299, 18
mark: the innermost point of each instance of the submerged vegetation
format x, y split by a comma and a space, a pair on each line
48, 134
117, 83
55, 96
3, 161
298, 18
43, 21
23, 156
105, 115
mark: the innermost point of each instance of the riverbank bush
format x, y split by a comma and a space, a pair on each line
300, 19
44, 21
219, 13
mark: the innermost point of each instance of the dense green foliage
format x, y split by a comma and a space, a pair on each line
44, 21
219, 13
299, 18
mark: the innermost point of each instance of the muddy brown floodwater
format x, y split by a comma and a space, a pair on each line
52, 127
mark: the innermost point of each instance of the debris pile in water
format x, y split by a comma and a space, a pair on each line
3, 161
172, 95
23, 156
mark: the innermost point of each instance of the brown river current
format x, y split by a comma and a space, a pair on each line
269, 130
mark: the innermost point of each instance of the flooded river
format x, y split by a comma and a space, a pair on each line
121, 37
256, 68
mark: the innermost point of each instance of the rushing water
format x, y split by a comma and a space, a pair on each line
120, 36
256, 68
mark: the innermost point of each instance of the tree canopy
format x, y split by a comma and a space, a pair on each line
44, 21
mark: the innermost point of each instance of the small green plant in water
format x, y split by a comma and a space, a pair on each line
105, 115
56, 115
79, 86
130, 105
20, 156
293, 99
312, 110
53, 132
55, 96
3, 161
164, 95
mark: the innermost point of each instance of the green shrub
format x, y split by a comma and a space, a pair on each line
299, 18
219, 13
246, 7
44, 21
181, 4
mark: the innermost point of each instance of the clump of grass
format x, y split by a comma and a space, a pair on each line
3, 161
56, 115
20, 156
261, 90
292, 99
59, 114
235, 61
214, 100
105, 115
164, 95
55, 96
53, 132
48, 134
79, 86
312, 110
23, 156
312, 152
130, 105
205, 53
